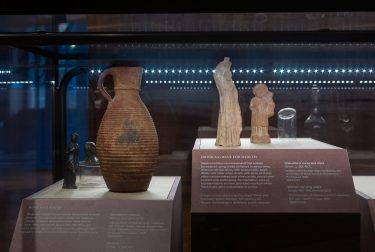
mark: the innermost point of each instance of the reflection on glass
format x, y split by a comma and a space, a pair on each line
287, 123
315, 124
346, 116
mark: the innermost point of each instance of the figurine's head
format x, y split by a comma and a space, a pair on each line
74, 137
90, 151
261, 90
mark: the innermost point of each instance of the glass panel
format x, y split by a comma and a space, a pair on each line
26, 83
333, 84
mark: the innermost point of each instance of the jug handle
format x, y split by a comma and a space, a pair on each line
101, 87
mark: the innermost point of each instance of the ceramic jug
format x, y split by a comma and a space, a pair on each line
127, 141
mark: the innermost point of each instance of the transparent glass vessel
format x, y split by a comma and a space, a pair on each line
315, 124
287, 123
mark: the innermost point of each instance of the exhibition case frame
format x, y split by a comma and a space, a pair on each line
37, 43
307, 51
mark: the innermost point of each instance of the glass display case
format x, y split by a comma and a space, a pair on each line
319, 63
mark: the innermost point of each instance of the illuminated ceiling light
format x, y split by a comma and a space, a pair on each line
179, 70
172, 71
370, 70
281, 70
316, 70
200, 71
309, 70
99, 71
364, 71
234, 70
329, 70
166, 71
247, 70
343, 71
159, 71
152, 71
261, 70
350, 70
302, 71
274, 70
186, 71
322, 70
92, 71
193, 71
240, 70
146, 71
288, 70
357, 70
336, 70
207, 71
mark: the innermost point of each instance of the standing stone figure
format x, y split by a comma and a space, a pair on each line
230, 122
71, 163
262, 107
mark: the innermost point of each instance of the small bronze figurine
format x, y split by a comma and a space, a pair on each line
90, 151
71, 166
262, 107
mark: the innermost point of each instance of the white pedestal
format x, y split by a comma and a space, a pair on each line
94, 219
301, 175
365, 188
293, 195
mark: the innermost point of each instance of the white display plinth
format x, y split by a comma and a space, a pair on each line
95, 219
289, 195
289, 175
365, 187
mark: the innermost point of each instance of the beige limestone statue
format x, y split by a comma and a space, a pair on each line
262, 107
230, 121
